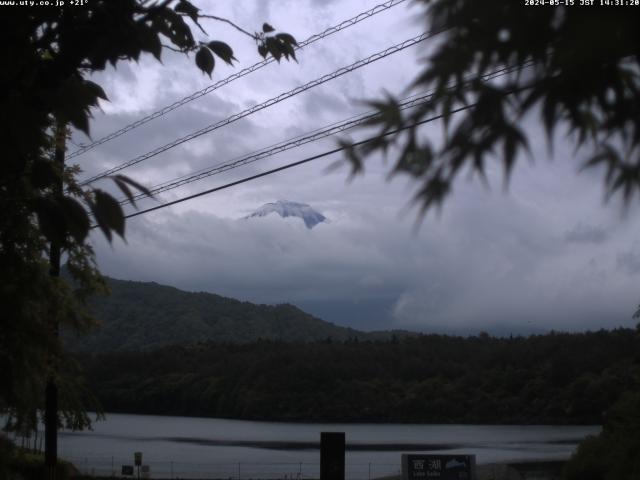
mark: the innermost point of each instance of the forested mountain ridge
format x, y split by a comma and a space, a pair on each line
558, 378
144, 316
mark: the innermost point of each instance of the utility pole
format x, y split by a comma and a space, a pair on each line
51, 391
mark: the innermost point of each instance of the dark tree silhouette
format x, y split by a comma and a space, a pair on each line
575, 67
46, 53
582, 76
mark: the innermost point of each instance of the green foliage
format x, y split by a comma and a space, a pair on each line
278, 45
222, 50
32, 303
47, 53
582, 79
614, 454
50, 50
144, 316
555, 378
19, 464
205, 61
125, 183
583, 76
108, 213
6, 452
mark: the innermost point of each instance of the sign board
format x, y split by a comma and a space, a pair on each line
438, 467
127, 469
138, 458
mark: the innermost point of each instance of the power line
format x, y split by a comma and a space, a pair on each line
290, 165
270, 151
256, 66
300, 140
283, 96
495, 74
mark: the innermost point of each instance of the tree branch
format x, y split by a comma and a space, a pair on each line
220, 19
201, 29
173, 49
149, 12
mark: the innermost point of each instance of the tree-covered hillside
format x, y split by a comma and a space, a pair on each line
554, 378
144, 316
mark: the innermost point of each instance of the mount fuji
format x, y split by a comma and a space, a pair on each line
285, 208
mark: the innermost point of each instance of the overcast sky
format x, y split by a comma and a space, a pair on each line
547, 253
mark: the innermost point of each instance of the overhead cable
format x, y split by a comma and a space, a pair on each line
256, 66
270, 151
300, 140
290, 165
272, 101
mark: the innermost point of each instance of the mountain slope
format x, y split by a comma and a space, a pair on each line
143, 316
285, 209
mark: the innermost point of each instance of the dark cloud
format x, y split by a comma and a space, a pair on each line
629, 262
490, 261
319, 103
584, 233
470, 271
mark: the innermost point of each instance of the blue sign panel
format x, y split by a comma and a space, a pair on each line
438, 467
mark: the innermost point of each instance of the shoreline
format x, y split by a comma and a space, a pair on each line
354, 421
521, 470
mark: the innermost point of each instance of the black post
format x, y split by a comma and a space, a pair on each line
332, 448
51, 391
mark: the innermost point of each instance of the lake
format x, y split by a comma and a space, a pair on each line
185, 447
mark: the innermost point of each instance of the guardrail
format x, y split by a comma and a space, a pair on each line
167, 469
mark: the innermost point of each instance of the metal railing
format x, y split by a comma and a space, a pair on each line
167, 469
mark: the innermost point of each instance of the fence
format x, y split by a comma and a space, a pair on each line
112, 467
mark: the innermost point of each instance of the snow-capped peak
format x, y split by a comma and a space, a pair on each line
285, 208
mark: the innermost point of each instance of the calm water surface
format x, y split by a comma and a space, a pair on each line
183, 447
